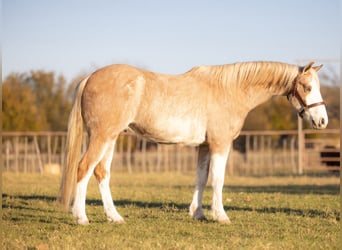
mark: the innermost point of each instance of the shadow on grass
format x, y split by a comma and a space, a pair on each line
166, 207
312, 213
32, 208
183, 208
287, 189
31, 197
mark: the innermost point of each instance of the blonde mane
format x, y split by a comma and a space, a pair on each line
273, 76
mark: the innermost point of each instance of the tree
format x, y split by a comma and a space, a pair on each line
35, 101
19, 110
275, 114
51, 98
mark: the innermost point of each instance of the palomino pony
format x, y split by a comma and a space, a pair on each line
205, 106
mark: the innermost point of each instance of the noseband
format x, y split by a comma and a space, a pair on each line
304, 106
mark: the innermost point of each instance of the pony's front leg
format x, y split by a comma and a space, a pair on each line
218, 162
195, 209
102, 174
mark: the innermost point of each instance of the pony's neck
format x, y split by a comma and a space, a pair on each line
262, 80
273, 78
254, 82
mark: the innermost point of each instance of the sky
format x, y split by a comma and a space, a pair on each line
73, 37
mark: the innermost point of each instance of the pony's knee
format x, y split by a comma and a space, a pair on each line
90, 160
100, 172
81, 172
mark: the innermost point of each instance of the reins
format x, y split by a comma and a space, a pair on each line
304, 106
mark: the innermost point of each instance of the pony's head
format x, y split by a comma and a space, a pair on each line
306, 97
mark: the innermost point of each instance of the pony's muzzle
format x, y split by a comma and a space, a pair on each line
317, 115
321, 123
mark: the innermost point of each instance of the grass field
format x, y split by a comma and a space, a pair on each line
266, 213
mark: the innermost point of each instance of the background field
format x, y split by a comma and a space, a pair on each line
266, 213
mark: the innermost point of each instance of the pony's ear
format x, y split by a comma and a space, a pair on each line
307, 67
316, 68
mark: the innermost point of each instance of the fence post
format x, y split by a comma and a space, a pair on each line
63, 140
25, 153
49, 148
159, 158
8, 145
300, 146
143, 150
16, 151
178, 158
40, 163
128, 154
293, 160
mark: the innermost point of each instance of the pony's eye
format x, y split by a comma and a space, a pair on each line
307, 88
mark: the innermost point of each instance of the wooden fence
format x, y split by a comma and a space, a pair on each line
254, 153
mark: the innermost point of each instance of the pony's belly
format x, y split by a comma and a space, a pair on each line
185, 133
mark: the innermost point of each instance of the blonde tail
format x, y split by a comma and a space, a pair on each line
73, 149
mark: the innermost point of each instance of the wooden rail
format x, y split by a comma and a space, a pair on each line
254, 153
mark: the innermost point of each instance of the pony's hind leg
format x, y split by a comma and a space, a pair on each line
95, 152
102, 174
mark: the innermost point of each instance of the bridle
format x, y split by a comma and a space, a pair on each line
304, 106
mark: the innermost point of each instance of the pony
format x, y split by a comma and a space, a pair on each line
204, 107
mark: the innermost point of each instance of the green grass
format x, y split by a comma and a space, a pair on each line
266, 213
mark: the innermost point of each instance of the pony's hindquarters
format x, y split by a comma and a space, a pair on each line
97, 107
73, 149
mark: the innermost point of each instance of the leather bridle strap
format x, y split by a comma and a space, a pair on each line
304, 106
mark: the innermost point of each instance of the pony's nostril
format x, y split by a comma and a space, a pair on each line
322, 122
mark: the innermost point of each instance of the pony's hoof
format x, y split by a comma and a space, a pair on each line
83, 222
116, 221
221, 217
200, 218
225, 221
197, 213
120, 222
